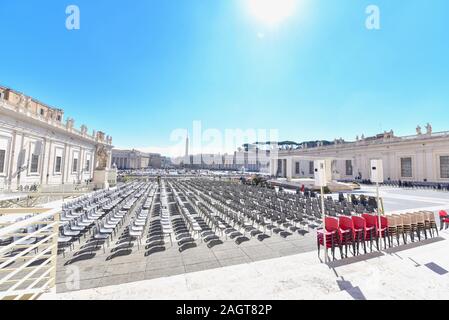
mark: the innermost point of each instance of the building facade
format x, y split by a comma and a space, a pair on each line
130, 159
254, 160
135, 159
156, 161
38, 148
423, 157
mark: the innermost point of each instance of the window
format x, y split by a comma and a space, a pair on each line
444, 167
297, 167
34, 163
58, 163
311, 167
2, 161
406, 168
87, 169
349, 167
58, 117
75, 165
42, 112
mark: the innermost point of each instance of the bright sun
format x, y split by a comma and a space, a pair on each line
271, 12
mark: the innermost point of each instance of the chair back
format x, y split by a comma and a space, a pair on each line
392, 223
384, 223
420, 217
331, 224
371, 220
443, 214
359, 222
398, 219
346, 223
430, 216
406, 219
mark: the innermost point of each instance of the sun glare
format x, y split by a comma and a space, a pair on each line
271, 12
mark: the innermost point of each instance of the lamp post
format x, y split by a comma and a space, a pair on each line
377, 176
321, 181
323, 213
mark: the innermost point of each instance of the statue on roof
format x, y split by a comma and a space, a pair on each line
429, 128
22, 101
418, 130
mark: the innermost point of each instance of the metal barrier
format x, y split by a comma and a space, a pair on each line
28, 252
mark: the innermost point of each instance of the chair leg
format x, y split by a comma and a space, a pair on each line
332, 247
364, 243
353, 246
341, 251
390, 239
378, 238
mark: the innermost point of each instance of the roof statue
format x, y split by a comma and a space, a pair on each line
429, 128
418, 130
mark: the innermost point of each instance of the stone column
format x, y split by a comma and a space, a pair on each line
273, 167
44, 169
12, 159
289, 168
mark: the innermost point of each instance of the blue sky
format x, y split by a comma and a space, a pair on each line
140, 69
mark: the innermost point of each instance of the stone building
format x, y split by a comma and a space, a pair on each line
39, 147
130, 159
135, 159
420, 157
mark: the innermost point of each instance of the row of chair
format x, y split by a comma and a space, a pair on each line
102, 222
350, 232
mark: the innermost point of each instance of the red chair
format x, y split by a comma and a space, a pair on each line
372, 221
384, 230
363, 232
347, 233
332, 236
444, 219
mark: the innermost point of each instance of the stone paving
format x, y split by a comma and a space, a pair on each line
419, 271
157, 259
132, 264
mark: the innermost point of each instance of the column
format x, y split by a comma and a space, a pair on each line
289, 168
273, 167
44, 169
109, 164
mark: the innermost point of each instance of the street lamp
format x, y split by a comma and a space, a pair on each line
321, 181
377, 176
